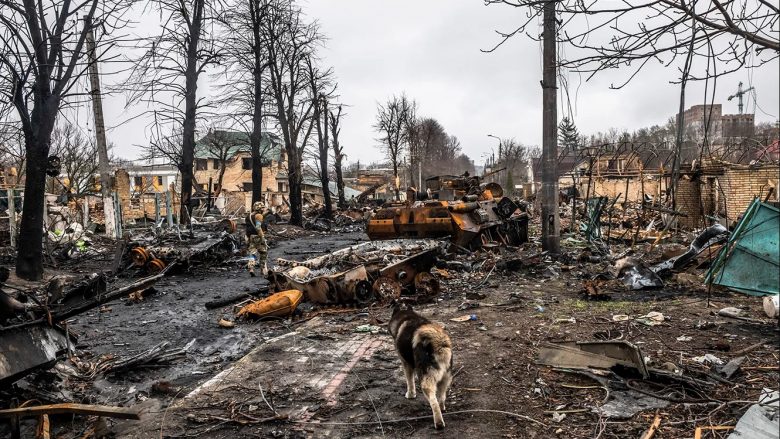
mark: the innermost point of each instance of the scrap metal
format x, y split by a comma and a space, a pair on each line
472, 213
750, 260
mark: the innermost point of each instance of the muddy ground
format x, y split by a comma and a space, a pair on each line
319, 376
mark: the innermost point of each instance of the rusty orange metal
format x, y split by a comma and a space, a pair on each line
471, 213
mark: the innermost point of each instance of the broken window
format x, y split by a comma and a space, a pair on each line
138, 182
281, 187
216, 164
201, 164
246, 163
247, 186
158, 180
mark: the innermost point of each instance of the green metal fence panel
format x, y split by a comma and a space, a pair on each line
750, 261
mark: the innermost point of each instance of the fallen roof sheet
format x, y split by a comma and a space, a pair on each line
750, 260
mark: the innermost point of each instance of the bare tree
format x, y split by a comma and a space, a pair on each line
42, 59
166, 147
434, 152
166, 76
321, 89
290, 41
338, 154
725, 35
221, 146
513, 156
77, 154
392, 121
245, 68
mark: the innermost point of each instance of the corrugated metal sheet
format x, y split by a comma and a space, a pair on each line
750, 261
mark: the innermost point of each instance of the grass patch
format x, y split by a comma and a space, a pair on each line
613, 306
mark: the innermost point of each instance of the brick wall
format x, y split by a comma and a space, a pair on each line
689, 201
740, 185
611, 187
725, 192
236, 176
142, 205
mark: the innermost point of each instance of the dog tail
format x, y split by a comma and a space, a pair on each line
432, 348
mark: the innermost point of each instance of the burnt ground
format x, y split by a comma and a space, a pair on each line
328, 380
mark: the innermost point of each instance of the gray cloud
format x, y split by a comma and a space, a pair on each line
431, 50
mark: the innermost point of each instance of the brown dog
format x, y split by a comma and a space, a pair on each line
425, 351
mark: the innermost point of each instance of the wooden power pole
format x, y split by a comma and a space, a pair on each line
100, 136
551, 240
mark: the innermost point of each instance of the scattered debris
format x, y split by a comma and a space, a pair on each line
708, 359
772, 306
593, 354
653, 318
761, 421
368, 328
729, 369
464, 318
227, 324
624, 404
281, 304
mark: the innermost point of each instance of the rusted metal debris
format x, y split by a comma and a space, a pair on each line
281, 304
154, 257
363, 273
473, 214
36, 343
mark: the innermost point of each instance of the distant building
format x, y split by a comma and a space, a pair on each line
151, 178
718, 125
235, 148
738, 125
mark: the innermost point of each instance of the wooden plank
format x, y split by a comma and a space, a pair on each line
653, 428
79, 409
44, 427
698, 431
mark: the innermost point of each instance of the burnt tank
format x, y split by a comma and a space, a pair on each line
474, 214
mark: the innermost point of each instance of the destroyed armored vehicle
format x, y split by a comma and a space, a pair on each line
474, 214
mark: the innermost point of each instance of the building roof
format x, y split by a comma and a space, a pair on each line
271, 146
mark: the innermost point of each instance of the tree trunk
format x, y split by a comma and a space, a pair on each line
339, 175
100, 139
294, 181
257, 111
257, 162
29, 259
396, 183
220, 176
324, 179
190, 99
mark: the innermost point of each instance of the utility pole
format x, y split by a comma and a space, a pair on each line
100, 136
549, 198
739, 94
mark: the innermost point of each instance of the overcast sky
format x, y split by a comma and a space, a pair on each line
431, 50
